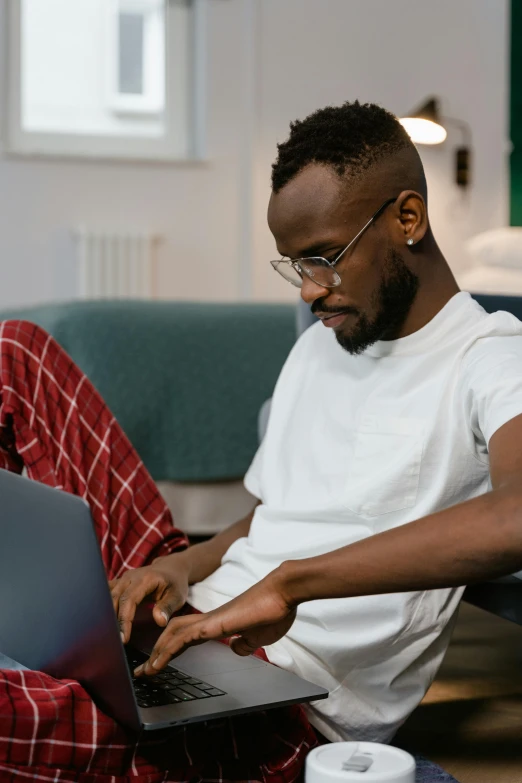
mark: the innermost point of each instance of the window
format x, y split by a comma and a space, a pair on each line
102, 78
137, 51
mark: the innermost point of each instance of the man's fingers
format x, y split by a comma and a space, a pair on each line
128, 601
117, 587
132, 588
126, 613
182, 632
169, 603
161, 615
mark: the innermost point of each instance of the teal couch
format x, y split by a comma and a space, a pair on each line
185, 380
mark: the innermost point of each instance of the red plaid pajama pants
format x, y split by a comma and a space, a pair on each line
53, 422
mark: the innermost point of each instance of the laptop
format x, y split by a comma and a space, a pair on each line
56, 616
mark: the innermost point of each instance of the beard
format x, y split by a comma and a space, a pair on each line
392, 301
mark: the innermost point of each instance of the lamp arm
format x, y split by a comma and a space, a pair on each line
463, 126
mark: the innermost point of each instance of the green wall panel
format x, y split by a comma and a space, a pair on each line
516, 113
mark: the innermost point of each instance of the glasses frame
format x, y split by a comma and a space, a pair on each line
297, 263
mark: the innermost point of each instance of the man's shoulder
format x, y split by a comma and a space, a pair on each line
492, 329
495, 339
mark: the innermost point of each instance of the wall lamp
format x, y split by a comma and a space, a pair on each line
425, 125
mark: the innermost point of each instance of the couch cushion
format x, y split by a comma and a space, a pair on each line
185, 380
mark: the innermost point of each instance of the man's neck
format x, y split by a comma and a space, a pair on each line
437, 287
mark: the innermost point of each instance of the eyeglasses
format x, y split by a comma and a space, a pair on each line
317, 268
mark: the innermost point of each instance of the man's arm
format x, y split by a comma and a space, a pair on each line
472, 541
477, 540
205, 558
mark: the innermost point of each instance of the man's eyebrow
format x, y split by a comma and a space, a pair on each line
317, 249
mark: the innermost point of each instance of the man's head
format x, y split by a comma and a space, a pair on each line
338, 166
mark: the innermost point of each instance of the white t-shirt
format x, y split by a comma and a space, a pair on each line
360, 444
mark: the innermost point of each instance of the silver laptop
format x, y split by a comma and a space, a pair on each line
56, 616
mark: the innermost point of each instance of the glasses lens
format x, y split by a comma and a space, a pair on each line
320, 271
287, 271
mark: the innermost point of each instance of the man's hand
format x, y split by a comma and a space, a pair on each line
258, 617
166, 580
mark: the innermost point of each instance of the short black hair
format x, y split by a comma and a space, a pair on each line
353, 136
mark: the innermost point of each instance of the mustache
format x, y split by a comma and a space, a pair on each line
319, 307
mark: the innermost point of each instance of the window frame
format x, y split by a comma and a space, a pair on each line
184, 26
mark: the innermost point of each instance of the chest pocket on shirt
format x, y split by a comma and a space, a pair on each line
385, 467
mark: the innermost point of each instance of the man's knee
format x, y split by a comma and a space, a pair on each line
22, 333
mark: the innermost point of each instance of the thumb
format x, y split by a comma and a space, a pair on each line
165, 608
242, 646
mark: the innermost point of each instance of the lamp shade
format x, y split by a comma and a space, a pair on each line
424, 125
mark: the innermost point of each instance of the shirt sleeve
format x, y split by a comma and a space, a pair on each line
492, 378
299, 353
252, 480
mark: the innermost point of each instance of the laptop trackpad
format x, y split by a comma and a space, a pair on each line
213, 658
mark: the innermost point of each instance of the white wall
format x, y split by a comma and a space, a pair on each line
396, 54
268, 62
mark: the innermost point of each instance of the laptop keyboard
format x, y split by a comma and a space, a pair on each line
169, 686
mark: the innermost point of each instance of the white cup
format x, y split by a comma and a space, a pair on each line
364, 762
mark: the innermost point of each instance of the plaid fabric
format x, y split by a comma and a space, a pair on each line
53, 422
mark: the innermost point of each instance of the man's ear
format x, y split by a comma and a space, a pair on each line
412, 218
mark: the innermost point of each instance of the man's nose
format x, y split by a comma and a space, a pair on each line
310, 290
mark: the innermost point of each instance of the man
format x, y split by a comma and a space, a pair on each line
404, 409
403, 406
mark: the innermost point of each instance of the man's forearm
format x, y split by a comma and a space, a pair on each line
203, 559
476, 540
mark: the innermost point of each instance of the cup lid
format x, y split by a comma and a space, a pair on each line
366, 762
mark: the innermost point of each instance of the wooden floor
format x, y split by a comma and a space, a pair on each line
471, 719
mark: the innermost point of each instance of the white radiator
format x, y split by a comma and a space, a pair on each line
113, 265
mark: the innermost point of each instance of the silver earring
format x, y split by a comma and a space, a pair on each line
409, 242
